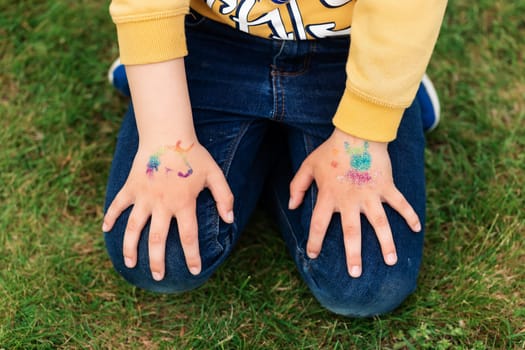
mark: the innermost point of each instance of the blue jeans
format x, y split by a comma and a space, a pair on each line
260, 107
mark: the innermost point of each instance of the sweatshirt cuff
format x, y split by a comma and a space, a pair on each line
367, 120
152, 41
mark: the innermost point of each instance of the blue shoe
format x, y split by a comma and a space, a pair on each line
429, 101
117, 77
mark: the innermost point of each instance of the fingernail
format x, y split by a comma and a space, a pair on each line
417, 228
195, 270
290, 203
355, 271
105, 227
157, 276
311, 255
229, 216
391, 259
128, 262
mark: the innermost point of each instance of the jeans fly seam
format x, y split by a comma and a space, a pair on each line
283, 99
277, 92
274, 88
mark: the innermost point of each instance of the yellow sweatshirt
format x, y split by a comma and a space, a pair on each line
392, 41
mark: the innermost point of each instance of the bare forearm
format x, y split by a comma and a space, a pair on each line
161, 101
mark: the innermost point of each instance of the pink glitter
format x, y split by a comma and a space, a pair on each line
358, 177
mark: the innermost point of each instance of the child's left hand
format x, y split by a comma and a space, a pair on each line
353, 176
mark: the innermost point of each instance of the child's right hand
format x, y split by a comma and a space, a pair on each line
163, 183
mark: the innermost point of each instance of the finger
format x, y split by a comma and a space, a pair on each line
398, 202
158, 232
136, 221
351, 222
321, 216
189, 239
375, 213
299, 185
120, 203
222, 194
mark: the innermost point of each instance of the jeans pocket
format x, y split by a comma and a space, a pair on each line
194, 19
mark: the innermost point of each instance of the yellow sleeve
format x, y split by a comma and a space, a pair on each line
392, 42
150, 31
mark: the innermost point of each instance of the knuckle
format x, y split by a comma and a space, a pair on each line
403, 205
351, 229
128, 250
156, 262
414, 221
132, 226
316, 227
380, 221
354, 259
313, 246
192, 259
155, 238
155, 265
228, 198
187, 239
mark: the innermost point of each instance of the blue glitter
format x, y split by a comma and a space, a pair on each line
360, 159
153, 164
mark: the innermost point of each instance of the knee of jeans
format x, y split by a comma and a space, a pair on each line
367, 296
177, 277
177, 280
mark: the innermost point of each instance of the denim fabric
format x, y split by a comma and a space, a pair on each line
242, 90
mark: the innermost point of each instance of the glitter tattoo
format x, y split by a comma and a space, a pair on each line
360, 163
154, 160
154, 163
182, 152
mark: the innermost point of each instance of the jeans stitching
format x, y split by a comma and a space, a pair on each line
307, 149
283, 100
229, 160
303, 70
283, 212
274, 89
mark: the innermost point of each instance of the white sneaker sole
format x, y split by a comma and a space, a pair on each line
114, 66
432, 93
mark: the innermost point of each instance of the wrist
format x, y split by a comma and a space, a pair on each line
155, 144
339, 135
155, 131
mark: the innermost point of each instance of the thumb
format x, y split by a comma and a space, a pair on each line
216, 182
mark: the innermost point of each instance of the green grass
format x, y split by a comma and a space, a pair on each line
57, 132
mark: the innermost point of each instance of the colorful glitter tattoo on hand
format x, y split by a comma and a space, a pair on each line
154, 160
360, 164
154, 163
182, 152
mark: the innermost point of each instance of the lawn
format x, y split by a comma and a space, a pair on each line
58, 122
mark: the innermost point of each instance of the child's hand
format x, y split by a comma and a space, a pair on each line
164, 182
353, 176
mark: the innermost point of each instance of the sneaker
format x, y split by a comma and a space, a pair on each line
429, 101
117, 77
